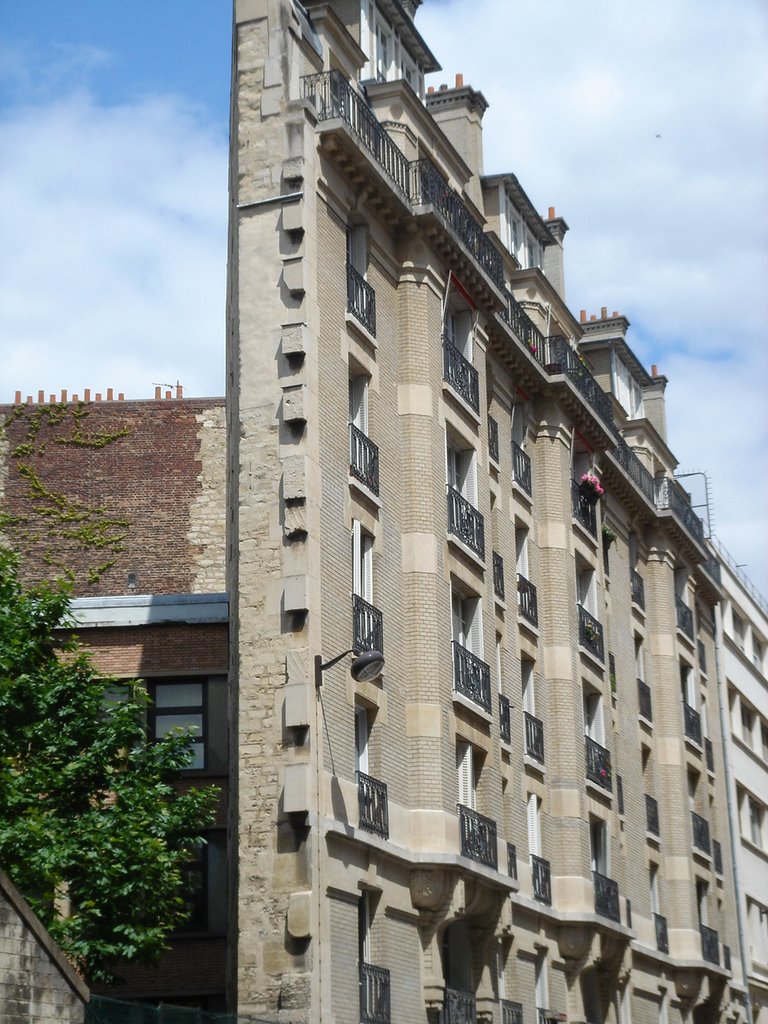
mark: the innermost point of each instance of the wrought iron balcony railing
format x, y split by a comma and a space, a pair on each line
717, 857
652, 815
471, 677
534, 737
512, 860
373, 806
521, 324
511, 1013
465, 522
334, 97
429, 188
709, 754
710, 945
644, 700
541, 879
478, 837
374, 995
701, 840
461, 375
363, 459
498, 575
361, 300
637, 588
527, 602
692, 723
598, 764
561, 358
670, 495
712, 568
662, 936
505, 722
633, 468
521, 468
583, 510
367, 626
459, 1007
493, 439
606, 897
684, 617
590, 633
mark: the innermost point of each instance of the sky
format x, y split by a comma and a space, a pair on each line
643, 124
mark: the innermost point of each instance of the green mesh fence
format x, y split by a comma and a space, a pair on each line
102, 1010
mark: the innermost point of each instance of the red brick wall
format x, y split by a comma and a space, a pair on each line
166, 649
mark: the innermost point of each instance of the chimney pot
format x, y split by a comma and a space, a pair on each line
110, 394
592, 316
98, 396
603, 312
52, 399
63, 396
167, 394
179, 391
551, 213
87, 395
17, 399
615, 312
29, 399
157, 394
120, 396
430, 90
443, 87
75, 397
41, 397
654, 370
459, 81
582, 316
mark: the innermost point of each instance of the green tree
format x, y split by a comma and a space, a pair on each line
89, 815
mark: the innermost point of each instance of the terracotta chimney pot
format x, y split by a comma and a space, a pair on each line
582, 316
459, 81
603, 312
110, 394
551, 214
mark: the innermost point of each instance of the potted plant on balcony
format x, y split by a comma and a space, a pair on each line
590, 488
609, 535
590, 633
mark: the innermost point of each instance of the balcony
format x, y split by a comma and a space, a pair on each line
644, 700
523, 327
561, 358
598, 764
429, 188
374, 995
712, 568
662, 937
692, 723
373, 806
505, 724
363, 459
478, 837
471, 677
710, 945
465, 522
606, 897
512, 860
701, 840
459, 1007
498, 576
684, 616
527, 604
334, 97
493, 439
634, 469
671, 497
709, 754
367, 626
717, 857
652, 815
583, 509
534, 738
541, 880
521, 468
511, 1013
590, 633
461, 375
637, 588
361, 300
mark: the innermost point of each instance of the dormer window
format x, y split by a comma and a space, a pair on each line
388, 58
627, 390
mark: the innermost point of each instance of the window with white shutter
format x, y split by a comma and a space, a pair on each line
465, 770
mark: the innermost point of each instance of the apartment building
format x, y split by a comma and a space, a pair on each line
744, 681
521, 816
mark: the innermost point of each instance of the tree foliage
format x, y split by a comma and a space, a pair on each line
90, 820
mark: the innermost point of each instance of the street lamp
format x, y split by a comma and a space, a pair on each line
364, 667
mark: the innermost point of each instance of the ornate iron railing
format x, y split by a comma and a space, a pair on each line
606, 897
598, 761
684, 616
429, 188
652, 815
333, 96
521, 468
712, 568
644, 700
633, 468
534, 737
465, 522
505, 722
374, 995
527, 603
583, 509
692, 723
512, 860
662, 936
561, 358
541, 879
363, 458
717, 857
710, 945
471, 677
361, 300
590, 633
521, 324
637, 588
709, 754
701, 840
670, 495
511, 1013
373, 805
493, 439
461, 375
498, 575
368, 626
459, 1007
478, 837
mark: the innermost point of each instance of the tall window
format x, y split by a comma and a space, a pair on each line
534, 824
653, 884
586, 588
521, 551
529, 686
593, 716
598, 837
467, 622
687, 685
755, 822
362, 733
458, 330
461, 470
542, 984
180, 704
465, 771
358, 401
702, 893
357, 248
364, 916
747, 724
627, 390
362, 562
639, 657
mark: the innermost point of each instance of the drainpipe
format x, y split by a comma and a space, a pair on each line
730, 803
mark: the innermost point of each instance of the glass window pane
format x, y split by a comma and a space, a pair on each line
164, 724
176, 695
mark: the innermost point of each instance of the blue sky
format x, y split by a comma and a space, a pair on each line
643, 124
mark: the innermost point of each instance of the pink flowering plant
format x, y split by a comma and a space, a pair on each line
590, 482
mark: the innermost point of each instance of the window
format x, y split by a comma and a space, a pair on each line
467, 622
586, 588
358, 401
383, 50
593, 716
364, 916
529, 695
598, 838
362, 733
738, 631
519, 424
764, 739
181, 704
465, 771
498, 661
702, 893
534, 824
758, 652
461, 470
653, 885
521, 551
755, 822
357, 248
687, 685
362, 562
627, 390
639, 657
693, 783
747, 724
542, 985
205, 885
458, 331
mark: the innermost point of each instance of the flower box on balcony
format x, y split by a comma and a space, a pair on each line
590, 488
